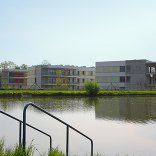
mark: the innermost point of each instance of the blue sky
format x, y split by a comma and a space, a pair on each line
77, 32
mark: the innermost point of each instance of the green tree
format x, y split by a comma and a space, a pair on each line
7, 65
24, 66
91, 87
45, 62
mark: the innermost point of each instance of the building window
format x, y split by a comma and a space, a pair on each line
51, 80
128, 68
63, 72
108, 79
78, 80
128, 79
122, 79
51, 72
74, 72
73, 80
122, 68
108, 69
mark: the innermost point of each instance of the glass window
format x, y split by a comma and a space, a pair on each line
73, 80
108, 79
122, 68
128, 68
107, 69
63, 72
122, 79
51, 72
128, 79
51, 80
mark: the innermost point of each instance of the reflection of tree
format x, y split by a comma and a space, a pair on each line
9, 104
91, 101
60, 104
138, 109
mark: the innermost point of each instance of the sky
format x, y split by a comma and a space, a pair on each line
77, 32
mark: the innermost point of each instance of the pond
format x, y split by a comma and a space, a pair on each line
118, 125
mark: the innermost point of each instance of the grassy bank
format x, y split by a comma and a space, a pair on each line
41, 93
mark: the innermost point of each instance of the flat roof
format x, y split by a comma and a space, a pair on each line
151, 63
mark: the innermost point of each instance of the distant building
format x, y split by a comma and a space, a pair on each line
13, 78
59, 76
130, 74
84, 74
0, 79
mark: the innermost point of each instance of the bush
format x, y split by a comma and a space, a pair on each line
91, 87
55, 152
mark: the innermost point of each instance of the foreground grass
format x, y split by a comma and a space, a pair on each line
48, 92
18, 151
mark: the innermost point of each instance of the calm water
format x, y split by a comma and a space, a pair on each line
118, 126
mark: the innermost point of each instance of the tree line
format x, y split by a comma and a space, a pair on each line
13, 65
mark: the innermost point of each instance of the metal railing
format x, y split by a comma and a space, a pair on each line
67, 130
20, 129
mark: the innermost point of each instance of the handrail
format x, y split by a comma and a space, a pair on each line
20, 128
67, 131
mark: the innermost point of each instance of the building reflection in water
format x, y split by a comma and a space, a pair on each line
130, 109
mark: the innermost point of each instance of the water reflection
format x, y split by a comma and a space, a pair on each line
138, 109
96, 117
130, 109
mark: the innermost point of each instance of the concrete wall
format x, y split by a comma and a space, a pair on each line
4, 78
110, 63
136, 70
111, 74
38, 76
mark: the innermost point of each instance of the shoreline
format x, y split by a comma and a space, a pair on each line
72, 93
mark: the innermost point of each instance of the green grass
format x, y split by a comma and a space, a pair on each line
48, 92
39, 92
55, 152
18, 151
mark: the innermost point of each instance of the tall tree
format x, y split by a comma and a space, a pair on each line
7, 65
24, 66
45, 62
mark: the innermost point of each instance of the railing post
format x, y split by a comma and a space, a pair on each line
20, 132
67, 131
50, 143
67, 141
91, 148
24, 128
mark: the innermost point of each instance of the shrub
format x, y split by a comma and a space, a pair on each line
55, 152
91, 87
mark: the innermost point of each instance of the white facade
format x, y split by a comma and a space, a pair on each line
51, 76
